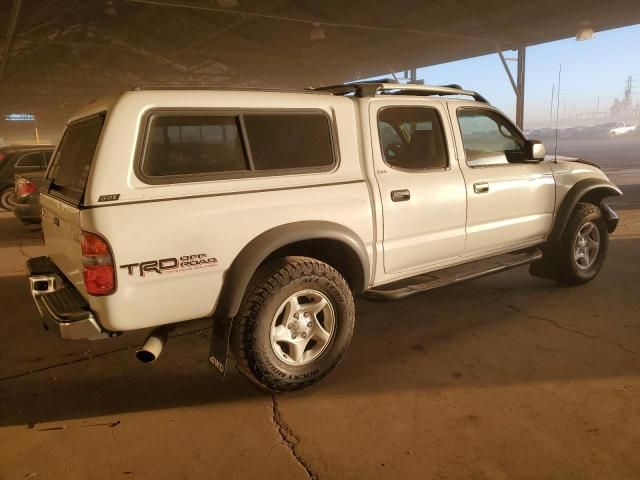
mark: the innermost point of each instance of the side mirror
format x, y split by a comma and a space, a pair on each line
534, 151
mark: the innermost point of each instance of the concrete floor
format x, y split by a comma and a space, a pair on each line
504, 377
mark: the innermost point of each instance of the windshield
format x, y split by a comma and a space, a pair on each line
70, 170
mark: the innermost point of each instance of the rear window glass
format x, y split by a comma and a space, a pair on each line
181, 145
72, 162
412, 138
283, 141
31, 160
193, 145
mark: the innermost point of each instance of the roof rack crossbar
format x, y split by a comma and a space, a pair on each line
390, 87
223, 88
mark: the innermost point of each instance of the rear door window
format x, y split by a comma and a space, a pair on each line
47, 157
70, 170
30, 161
412, 138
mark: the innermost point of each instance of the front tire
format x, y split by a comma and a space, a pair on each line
584, 245
294, 325
8, 199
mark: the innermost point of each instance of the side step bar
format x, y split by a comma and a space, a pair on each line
459, 273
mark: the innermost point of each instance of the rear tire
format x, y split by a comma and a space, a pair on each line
7, 199
294, 325
584, 245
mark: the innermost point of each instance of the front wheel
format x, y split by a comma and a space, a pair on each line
8, 199
584, 245
294, 325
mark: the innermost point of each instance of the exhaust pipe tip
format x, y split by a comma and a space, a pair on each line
145, 356
153, 346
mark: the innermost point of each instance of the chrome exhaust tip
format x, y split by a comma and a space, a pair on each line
153, 346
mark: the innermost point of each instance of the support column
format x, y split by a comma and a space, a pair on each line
522, 51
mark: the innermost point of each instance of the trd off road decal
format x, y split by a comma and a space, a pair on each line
172, 264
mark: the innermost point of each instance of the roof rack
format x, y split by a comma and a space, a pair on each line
223, 88
387, 86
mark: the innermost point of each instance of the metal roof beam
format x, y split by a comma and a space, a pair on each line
13, 21
508, 70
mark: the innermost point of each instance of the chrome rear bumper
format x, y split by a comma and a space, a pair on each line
61, 306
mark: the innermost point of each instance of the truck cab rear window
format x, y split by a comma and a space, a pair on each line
194, 147
72, 162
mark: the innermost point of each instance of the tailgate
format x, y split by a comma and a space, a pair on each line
62, 195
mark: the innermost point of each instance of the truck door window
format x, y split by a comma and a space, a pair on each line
412, 138
489, 138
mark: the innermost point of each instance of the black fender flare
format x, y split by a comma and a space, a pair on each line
255, 252
593, 188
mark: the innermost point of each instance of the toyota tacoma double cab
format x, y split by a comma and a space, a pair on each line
267, 211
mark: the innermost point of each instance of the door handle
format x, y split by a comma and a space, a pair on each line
400, 195
481, 187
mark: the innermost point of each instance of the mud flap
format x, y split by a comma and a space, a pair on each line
219, 349
548, 267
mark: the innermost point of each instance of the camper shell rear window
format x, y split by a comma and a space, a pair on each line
69, 172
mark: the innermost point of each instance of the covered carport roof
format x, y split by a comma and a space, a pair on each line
56, 54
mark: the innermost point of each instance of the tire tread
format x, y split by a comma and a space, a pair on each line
268, 281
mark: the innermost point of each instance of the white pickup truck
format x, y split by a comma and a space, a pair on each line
266, 211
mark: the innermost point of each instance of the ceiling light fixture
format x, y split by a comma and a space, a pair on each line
109, 9
316, 33
584, 33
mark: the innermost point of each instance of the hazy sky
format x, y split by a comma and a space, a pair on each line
592, 68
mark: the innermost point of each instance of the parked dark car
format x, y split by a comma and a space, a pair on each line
27, 197
18, 160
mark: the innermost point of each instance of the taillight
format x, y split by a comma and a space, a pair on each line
99, 275
25, 187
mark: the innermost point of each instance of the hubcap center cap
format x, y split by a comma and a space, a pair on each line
300, 327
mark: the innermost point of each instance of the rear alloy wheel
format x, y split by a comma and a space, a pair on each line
294, 325
302, 327
8, 199
584, 245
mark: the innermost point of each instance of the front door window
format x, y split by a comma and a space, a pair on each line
489, 138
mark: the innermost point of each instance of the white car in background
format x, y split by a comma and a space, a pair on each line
622, 129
